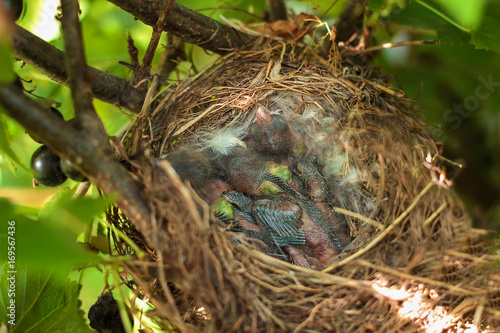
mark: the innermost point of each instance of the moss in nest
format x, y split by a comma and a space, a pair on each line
412, 261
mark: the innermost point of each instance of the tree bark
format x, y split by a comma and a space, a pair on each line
190, 26
50, 61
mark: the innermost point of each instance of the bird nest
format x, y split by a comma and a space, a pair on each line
412, 263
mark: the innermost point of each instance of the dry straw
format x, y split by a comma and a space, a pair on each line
415, 263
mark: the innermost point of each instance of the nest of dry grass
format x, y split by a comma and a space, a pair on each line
415, 263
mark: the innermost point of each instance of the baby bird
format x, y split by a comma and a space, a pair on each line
316, 189
196, 168
234, 208
272, 136
249, 173
280, 217
315, 214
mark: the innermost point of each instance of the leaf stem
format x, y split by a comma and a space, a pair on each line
443, 16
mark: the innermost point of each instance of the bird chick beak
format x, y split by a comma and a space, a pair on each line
263, 115
241, 143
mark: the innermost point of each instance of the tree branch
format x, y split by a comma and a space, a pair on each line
76, 146
190, 26
50, 61
350, 19
79, 75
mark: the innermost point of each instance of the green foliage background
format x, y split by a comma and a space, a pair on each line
441, 78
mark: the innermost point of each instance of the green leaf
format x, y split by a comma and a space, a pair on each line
5, 143
376, 4
65, 209
43, 301
488, 35
6, 73
384, 5
467, 13
420, 17
41, 244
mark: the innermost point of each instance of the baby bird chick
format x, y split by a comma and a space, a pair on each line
250, 174
233, 208
271, 135
317, 190
196, 168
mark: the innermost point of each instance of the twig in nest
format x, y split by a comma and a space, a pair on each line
472, 291
384, 233
358, 216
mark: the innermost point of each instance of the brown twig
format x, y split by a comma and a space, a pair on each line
391, 45
145, 67
50, 61
79, 76
190, 26
133, 52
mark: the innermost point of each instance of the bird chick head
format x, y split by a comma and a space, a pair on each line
270, 134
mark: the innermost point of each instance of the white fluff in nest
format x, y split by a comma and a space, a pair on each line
338, 165
223, 140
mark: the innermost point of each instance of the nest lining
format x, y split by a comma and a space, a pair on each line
415, 261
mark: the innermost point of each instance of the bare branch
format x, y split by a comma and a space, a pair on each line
76, 146
50, 61
277, 10
190, 26
80, 77
350, 19
391, 46
144, 70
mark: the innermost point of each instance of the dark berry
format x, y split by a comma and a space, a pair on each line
46, 167
71, 172
55, 112
105, 315
14, 8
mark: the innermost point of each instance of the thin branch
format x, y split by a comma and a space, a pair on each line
75, 146
144, 70
392, 45
80, 77
190, 26
50, 61
277, 10
350, 19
